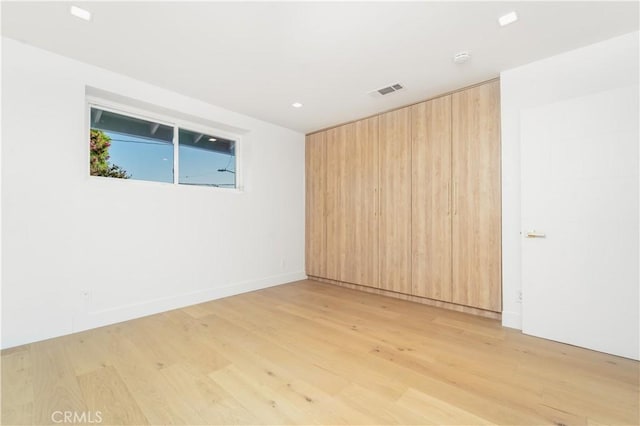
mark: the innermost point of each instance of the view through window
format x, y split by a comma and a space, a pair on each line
206, 159
127, 147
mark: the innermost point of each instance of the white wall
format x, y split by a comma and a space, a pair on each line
600, 67
134, 248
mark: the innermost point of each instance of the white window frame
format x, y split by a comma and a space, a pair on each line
141, 114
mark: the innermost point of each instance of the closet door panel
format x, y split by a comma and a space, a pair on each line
336, 141
395, 200
431, 199
315, 205
352, 222
476, 228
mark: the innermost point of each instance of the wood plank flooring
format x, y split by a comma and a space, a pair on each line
313, 353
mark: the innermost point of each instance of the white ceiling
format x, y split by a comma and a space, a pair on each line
258, 58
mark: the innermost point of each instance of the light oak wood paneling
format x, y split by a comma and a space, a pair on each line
352, 202
431, 199
417, 299
312, 353
395, 200
315, 208
412, 200
476, 197
336, 140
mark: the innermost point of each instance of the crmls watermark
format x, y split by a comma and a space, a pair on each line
72, 417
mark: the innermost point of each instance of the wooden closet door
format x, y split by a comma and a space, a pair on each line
395, 200
352, 185
336, 166
431, 202
476, 197
315, 208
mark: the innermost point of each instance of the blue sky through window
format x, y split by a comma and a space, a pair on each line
142, 158
199, 166
152, 160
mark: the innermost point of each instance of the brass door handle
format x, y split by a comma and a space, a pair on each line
534, 234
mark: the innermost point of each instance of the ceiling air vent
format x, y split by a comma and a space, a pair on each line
387, 90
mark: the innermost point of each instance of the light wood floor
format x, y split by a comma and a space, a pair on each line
311, 353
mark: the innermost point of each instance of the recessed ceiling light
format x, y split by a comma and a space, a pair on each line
81, 13
296, 105
507, 19
212, 139
461, 57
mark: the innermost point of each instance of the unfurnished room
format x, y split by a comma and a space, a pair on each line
320, 213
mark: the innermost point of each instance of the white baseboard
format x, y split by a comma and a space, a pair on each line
89, 320
512, 319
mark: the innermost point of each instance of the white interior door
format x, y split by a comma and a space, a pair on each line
580, 189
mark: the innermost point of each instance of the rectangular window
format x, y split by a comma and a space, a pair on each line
128, 147
206, 159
